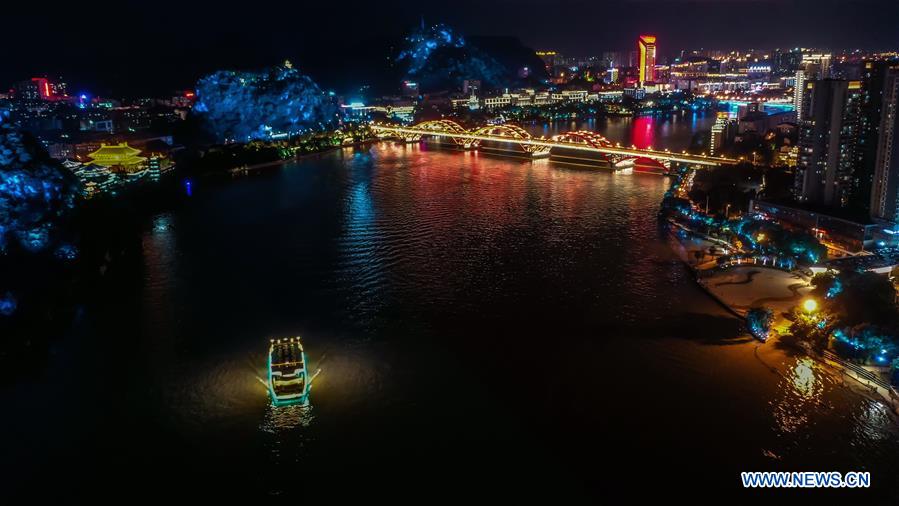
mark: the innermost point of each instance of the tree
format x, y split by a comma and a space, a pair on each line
812, 328
866, 342
857, 316
856, 298
759, 320
771, 238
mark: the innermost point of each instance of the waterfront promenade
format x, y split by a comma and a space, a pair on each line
743, 287
751, 285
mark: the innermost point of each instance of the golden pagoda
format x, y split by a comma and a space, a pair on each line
118, 156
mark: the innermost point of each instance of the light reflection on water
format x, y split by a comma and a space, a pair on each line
428, 286
284, 418
810, 397
804, 380
800, 391
425, 235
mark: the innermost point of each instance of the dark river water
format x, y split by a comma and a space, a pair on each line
486, 329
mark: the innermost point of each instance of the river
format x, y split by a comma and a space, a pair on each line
487, 328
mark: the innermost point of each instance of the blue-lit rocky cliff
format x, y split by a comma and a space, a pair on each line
36, 193
240, 106
37, 196
437, 57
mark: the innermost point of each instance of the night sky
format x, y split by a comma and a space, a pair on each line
154, 47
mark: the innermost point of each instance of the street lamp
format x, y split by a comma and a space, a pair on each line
810, 305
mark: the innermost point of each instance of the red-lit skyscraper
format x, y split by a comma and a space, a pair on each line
39, 88
43, 87
646, 45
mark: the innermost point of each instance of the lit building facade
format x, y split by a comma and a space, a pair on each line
880, 138
817, 65
40, 88
718, 136
646, 46
799, 95
786, 62
828, 142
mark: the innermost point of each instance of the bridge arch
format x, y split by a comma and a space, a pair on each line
641, 163
583, 137
591, 139
510, 132
442, 127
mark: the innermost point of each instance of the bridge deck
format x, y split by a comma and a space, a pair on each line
549, 144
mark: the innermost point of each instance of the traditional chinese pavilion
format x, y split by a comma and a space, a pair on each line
119, 156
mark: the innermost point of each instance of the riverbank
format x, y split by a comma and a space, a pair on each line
740, 288
275, 163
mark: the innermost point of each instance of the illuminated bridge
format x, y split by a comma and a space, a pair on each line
586, 142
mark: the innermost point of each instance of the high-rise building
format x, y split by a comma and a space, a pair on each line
610, 76
717, 140
828, 136
786, 62
879, 138
817, 65
646, 46
40, 88
799, 95
43, 87
30, 90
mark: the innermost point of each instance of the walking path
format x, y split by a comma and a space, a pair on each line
750, 286
743, 287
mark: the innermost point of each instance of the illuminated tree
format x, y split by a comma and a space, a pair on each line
813, 328
771, 238
759, 320
857, 298
866, 342
856, 316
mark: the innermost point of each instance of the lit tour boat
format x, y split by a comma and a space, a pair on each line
288, 381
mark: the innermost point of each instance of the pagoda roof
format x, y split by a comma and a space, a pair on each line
117, 154
122, 149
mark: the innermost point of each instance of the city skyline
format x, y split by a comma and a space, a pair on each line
173, 49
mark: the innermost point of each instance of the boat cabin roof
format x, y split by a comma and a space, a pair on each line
286, 354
